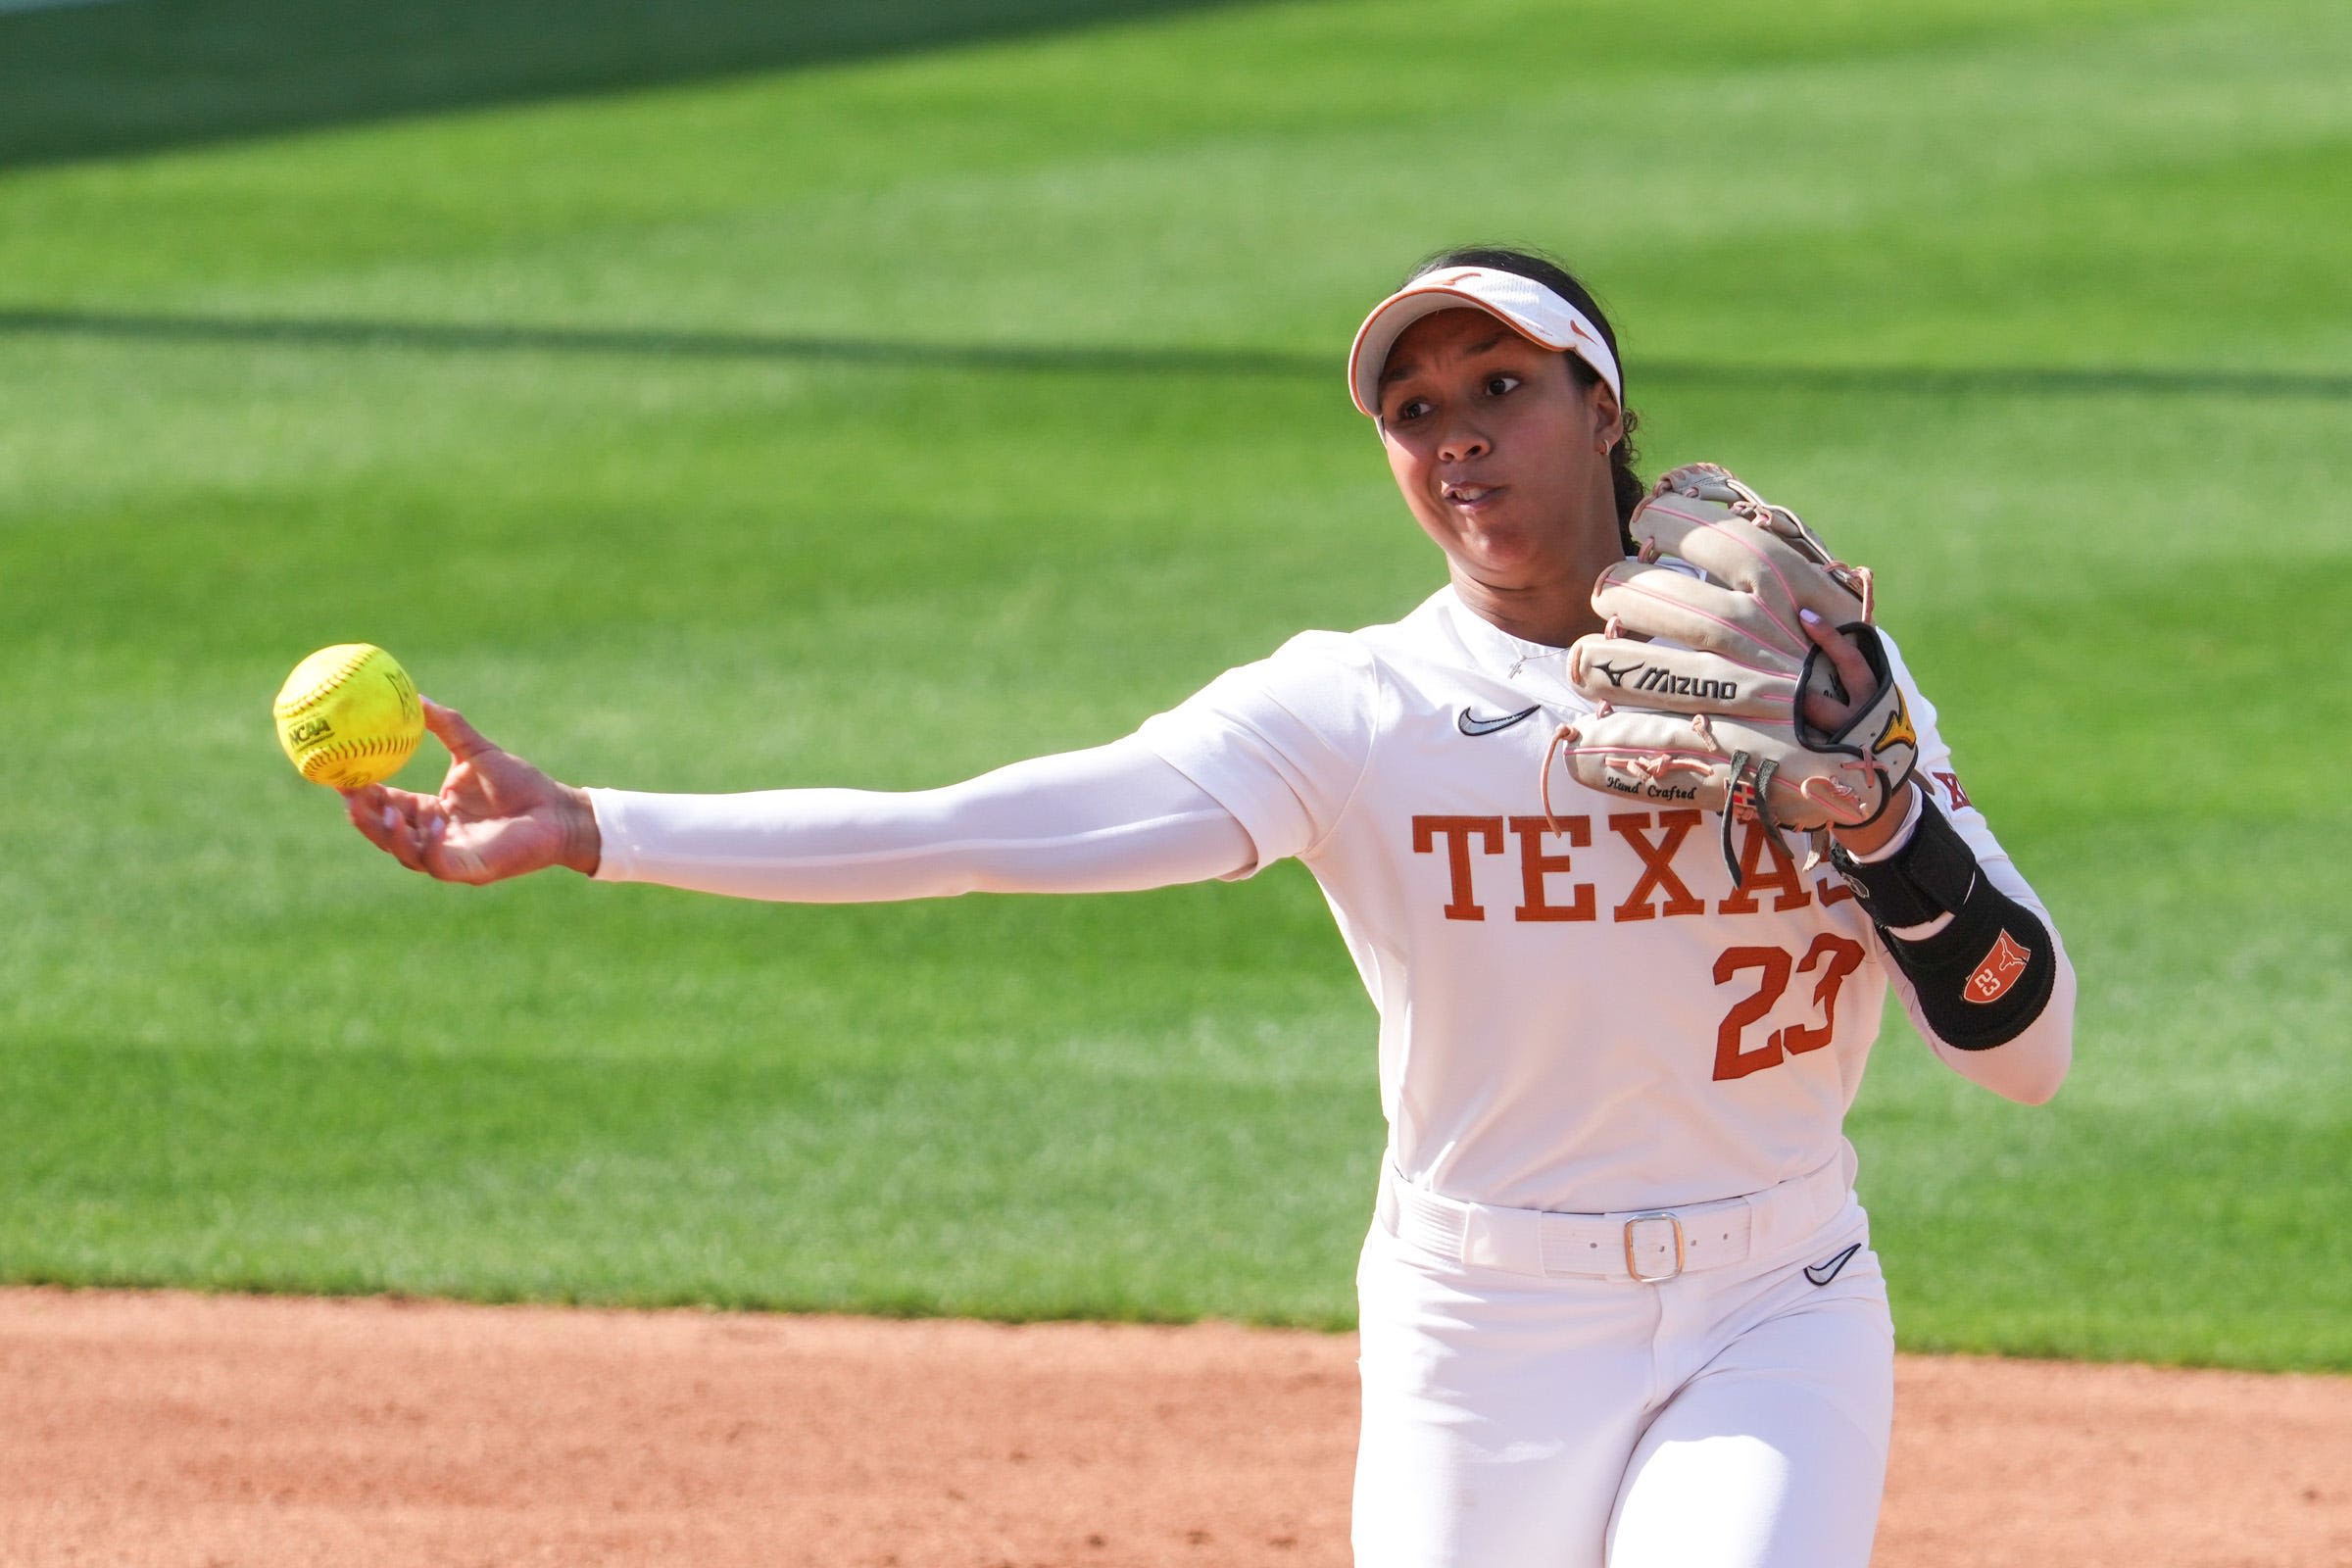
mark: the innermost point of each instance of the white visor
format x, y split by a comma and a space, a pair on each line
1522, 304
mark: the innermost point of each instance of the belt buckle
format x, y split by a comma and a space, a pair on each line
1632, 1264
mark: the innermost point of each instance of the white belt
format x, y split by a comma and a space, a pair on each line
1646, 1245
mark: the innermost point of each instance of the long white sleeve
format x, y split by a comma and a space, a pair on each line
1112, 819
2029, 1066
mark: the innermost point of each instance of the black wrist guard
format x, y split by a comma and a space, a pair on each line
1987, 974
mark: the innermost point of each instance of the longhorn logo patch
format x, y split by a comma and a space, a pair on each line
1998, 972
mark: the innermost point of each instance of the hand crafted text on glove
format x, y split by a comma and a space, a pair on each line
1698, 680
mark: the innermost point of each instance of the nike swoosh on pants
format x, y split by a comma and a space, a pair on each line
1823, 1273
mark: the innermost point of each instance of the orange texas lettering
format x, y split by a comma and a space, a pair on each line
1547, 858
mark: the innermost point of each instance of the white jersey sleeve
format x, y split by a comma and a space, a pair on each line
1282, 744
1255, 767
1112, 819
2031, 1066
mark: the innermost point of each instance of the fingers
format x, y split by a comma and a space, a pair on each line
393, 820
1854, 676
1854, 670
489, 821
416, 831
450, 728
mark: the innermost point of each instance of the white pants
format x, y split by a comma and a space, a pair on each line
1735, 1417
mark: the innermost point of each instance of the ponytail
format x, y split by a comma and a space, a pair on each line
1627, 485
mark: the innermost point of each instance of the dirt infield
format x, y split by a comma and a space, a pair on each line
228, 1432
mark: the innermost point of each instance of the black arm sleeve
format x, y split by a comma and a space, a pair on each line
1986, 975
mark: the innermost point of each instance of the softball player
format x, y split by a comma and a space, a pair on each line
1618, 1301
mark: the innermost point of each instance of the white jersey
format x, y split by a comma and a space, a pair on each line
1581, 1015
1578, 1013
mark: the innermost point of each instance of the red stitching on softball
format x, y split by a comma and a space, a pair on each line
351, 668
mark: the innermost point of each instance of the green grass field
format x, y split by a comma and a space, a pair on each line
879, 422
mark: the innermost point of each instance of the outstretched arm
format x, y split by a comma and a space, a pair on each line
1110, 819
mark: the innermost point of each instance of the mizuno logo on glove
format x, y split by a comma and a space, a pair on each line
1666, 683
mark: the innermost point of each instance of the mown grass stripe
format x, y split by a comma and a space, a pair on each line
2060, 380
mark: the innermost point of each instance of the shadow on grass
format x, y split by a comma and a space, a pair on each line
1114, 359
81, 80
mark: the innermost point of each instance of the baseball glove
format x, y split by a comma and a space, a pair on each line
1700, 677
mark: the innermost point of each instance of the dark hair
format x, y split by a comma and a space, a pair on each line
1553, 275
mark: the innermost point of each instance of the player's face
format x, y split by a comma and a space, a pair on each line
1499, 453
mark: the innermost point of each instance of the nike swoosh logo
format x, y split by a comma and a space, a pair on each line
1823, 1273
1488, 726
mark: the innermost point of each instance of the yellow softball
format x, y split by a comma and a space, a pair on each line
348, 717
